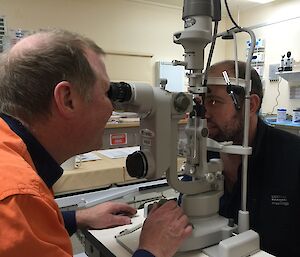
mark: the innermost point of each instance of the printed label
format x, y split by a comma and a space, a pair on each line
118, 139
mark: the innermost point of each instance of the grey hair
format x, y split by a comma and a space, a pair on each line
28, 77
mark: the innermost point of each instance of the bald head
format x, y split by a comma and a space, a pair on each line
30, 43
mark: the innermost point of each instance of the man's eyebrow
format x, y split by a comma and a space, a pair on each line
214, 96
210, 95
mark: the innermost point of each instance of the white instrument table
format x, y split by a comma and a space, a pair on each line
103, 242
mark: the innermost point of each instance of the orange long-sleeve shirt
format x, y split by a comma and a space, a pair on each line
30, 221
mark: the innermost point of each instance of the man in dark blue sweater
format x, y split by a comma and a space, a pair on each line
273, 197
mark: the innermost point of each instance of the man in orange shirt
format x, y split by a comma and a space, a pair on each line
54, 105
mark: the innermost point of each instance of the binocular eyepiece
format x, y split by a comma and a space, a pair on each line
119, 92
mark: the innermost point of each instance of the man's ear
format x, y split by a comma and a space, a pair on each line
254, 103
64, 98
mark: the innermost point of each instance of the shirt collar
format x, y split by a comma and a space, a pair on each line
47, 168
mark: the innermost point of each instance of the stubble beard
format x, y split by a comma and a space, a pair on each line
231, 131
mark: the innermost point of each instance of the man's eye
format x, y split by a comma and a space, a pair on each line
211, 101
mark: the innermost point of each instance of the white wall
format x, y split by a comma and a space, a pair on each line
133, 27
279, 38
116, 25
129, 27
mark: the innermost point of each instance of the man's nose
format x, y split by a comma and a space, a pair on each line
207, 111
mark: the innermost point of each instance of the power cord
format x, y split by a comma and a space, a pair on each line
278, 91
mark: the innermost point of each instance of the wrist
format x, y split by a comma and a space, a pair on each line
81, 219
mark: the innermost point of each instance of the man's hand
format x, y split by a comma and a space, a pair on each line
109, 214
164, 230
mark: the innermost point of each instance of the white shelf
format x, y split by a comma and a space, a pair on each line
293, 77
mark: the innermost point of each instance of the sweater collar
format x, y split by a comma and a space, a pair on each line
258, 139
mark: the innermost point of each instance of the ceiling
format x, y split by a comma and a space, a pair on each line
234, 5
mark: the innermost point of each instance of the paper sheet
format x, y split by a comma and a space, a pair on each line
87, 157
119, 152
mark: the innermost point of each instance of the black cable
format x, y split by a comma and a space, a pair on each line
212, 47
278, 94
230, 16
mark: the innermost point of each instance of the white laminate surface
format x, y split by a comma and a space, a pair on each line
107, 238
